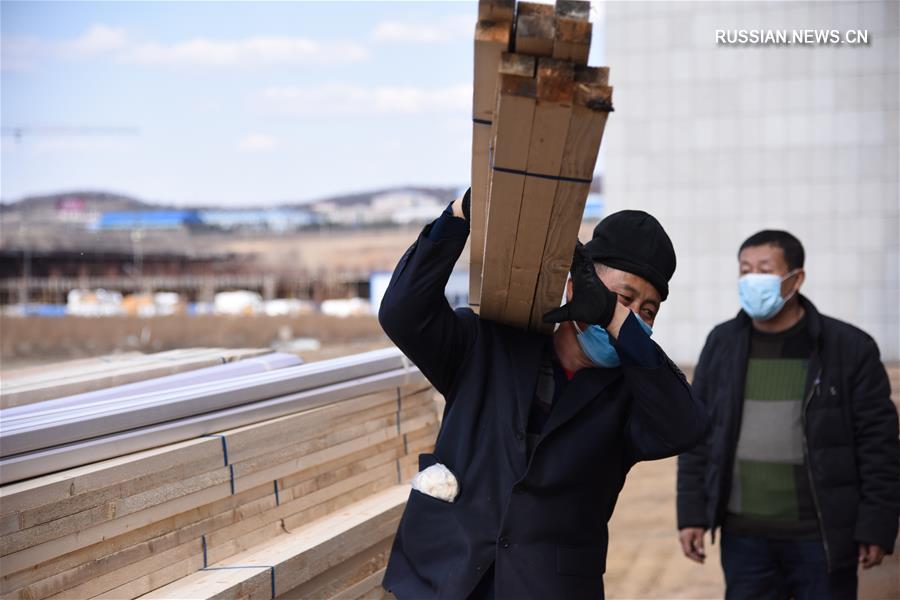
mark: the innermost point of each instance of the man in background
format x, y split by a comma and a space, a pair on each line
800, 468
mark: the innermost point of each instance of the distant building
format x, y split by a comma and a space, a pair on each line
456, 290
402, 207
593, 209
274, 219
147, 219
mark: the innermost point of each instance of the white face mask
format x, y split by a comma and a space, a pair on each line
760, 294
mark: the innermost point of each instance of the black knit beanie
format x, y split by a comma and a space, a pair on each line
634, 241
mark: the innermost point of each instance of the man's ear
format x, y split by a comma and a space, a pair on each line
801, 277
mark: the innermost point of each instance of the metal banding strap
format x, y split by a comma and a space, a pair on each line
540, 175
224, 445
277, 498
225, 455
203, 540
482, 121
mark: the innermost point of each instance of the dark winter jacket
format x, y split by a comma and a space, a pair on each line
541, 522
850, 435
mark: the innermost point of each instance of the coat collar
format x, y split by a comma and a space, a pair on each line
584, 387
814, 320
525, 351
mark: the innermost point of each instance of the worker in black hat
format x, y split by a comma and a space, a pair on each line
538, 431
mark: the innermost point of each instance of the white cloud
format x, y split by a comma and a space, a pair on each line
249, 51
21, 53
448, 29
257, 142
96, 40
344, 99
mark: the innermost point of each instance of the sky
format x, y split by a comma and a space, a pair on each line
236, 103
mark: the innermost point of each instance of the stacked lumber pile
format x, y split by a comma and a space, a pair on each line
49, 436
303, 504
34, 384
539, 116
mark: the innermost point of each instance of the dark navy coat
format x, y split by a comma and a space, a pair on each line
542, 523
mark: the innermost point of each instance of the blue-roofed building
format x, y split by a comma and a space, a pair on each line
148, 219
267, 219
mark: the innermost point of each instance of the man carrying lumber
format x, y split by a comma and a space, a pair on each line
539, 431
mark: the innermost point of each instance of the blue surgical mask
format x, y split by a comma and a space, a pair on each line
597, 345
760, 294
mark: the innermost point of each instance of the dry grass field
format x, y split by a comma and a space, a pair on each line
33, 340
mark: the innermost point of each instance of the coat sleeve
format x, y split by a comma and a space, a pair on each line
665, 417
415, 313
877, 450
692, 497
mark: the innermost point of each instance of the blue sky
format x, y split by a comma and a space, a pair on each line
236, 103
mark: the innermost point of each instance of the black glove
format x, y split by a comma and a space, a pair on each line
467, 204
592, 302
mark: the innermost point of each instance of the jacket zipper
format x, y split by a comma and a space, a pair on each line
812, 485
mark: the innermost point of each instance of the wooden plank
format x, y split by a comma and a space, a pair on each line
341, 483
33, 499
154, 580
593, 102
572, 40
301, 431
121, 550
143, 537
368, 588
351, 578
299, 556
496, 10
121, 577
421, 441
219, 583
535, 29
21, 559
555, 90
42, 499
117, 508
512, 134
492, 39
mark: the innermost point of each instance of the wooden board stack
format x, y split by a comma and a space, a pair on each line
532, 175
303, 505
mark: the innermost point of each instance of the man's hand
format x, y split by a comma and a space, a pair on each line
691, 539
462, 206
870, 555
592, 302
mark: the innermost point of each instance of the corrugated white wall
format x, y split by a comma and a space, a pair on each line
719, 142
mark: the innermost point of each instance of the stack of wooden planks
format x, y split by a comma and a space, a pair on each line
34, 384
57, 434
533, 154
301, 505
